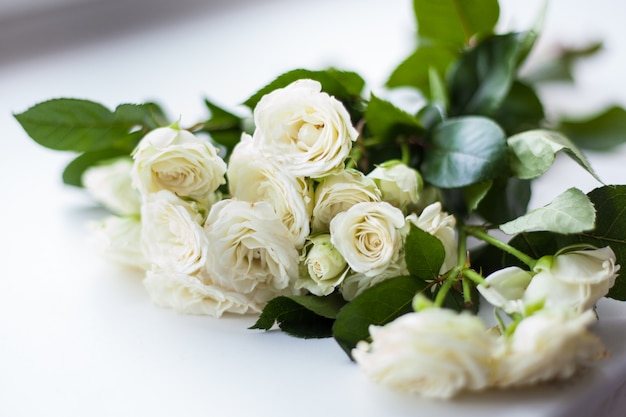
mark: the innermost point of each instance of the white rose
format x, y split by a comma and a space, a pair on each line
435, 353
189, 294
339, 192
576, 279
355, 283
323, 266
252, 251
550, 344
111, 185
441, 225
369, 236
505, 289
176, 160
119, 239
254, 178
172, 235
304, 129
399, 184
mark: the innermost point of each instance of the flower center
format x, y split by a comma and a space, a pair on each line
308, 133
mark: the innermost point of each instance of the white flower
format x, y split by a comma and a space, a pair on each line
252, 251
119, 239
441, 225
355, 283
324, 267
576, 279
400, 185
435, 353
369, 236
253, 178
172, 235
111, 185
305, 130
550, 344
506, 289
189, 294
339, 192
176, 160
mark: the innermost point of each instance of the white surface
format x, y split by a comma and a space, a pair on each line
79, 337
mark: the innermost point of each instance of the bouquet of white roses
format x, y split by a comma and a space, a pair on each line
336, 214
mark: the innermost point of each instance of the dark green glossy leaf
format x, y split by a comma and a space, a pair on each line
455, 21
521, 109
81, 125
424, 254
481, 79
474, 194
301, 316
344, 85
603, 131
377, 305
430, 116
386, 121
73, 173
464, 151
506, 200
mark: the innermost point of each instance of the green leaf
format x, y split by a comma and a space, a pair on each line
438, 92
430, 116
147, 116
224, 127
424, 254
482, 77
475, 193
301, 316
80, 125
377, 305
344, 85
521, 109
73, 172
444, 28
610, 204
414, 70
570, 212
602, 131
465, 150
455, 21
386, 121
507, 199
533, 152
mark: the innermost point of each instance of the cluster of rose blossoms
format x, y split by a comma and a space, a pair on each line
296, 219
438, 352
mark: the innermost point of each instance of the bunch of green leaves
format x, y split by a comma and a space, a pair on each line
481, 138
97, 134
90, 129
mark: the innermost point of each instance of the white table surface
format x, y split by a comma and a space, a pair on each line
79, 336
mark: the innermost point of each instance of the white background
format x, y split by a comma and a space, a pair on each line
79, 337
